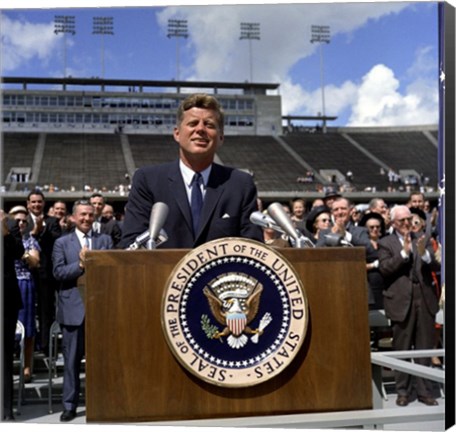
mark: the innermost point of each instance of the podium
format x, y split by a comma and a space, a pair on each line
132, 376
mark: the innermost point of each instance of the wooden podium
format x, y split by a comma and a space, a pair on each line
132, 376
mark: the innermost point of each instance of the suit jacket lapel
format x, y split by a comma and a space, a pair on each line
76, 245
214, 190
177, 189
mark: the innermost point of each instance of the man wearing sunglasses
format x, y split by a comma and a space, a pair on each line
406, 260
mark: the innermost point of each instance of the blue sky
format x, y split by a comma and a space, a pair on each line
380, 68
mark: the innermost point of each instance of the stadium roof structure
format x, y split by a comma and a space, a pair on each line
103, 83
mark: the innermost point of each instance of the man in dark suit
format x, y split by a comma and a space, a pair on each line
228, 196
410, 300
104, 225
69, 265
13, 249
343, 227
46, 229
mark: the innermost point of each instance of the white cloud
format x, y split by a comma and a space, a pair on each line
380, 102
23, 41
285, 35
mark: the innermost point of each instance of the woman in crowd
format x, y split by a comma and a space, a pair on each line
419, 227
30, 260
375, 225
318, 219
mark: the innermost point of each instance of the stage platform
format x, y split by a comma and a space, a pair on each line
415, 417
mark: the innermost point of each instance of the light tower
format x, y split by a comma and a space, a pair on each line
178, 29
250, 31
64, 24
321, 34
103, 26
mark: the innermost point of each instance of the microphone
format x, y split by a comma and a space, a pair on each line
155, 235
284, 221
334, 239
264, 221
158, 216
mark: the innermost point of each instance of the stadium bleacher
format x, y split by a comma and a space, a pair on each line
101, 161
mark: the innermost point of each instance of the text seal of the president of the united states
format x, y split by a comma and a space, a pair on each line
234, 312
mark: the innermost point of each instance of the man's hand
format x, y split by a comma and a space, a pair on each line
407, 247
82, 255
421, 245
38, 227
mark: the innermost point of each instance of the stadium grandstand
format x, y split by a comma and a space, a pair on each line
73, 136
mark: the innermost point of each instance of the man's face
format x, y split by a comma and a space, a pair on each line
59, 210
198, 135
83, 218
417, 201
340, 211
382, 209
98, 204
35, 204
108, 212
298, 209
402, 221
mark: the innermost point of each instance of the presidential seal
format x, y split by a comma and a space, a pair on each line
234, 312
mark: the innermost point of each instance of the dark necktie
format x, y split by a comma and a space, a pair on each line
196, 201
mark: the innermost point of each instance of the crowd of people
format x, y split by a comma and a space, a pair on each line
403, 258
44, 252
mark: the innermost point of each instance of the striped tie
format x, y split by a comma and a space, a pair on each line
87, 241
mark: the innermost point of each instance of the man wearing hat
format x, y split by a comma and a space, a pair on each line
330, 195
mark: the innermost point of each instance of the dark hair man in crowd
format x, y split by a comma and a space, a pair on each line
46, 229
104, 225
206, 200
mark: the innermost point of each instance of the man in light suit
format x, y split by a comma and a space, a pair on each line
69, 265
229, 196
410, 300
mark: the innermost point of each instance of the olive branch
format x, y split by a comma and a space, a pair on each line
207, 327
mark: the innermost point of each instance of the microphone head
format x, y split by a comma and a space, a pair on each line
282, 219
261, 219
158, 216
333, 239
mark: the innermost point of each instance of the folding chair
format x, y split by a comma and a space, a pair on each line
379, 321
20, 336
55, 334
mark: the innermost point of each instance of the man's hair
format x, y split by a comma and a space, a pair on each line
97, 195
416, 193
35, 192
395, 209
78, 203
349, 202
373, 203
201, 100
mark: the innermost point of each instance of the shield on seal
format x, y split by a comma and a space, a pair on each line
236, 322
